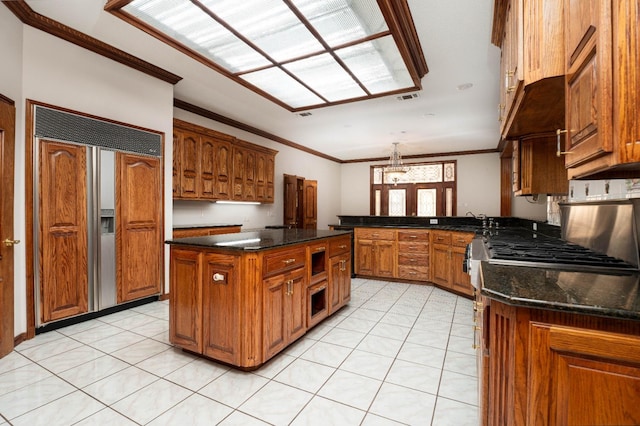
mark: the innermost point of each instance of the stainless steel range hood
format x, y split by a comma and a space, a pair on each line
610, 227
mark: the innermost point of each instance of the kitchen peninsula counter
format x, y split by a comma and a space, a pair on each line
242, 298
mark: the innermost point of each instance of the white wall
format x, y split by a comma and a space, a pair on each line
288, 161
478, 184
11, 86
62, 74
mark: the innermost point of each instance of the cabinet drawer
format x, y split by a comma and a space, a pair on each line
376, 234
441, 238
284, 260
417, 235
339, 245
417, 247
461, 239
417, 259
418, 273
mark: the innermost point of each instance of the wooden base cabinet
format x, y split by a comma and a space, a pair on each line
448, 250
339, 273
559, 368
375, 251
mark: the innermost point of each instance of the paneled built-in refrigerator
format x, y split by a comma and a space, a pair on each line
97, 215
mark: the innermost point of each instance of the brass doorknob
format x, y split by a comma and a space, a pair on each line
11, 243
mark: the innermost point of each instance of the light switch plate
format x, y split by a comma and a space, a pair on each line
433, 221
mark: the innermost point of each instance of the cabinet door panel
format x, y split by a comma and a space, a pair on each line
364, 255
441, 265
273, 321
238, 173
221, 308
566, 361
384, 259
138, 228
296, 311
222, 170
189, 165
207, 169
63, 223
186, 300
177, 150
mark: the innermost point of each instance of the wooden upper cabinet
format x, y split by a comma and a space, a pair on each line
602, 85
139, 226
63, 230
209, 165
530, 34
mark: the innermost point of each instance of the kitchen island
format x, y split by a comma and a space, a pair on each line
242, 298
558, 346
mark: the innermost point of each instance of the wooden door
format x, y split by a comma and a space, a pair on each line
206, 177
290, 200
221, 308
7, 158
62, 197
138, 226
189, 164
310, 204
222, 170
185, 321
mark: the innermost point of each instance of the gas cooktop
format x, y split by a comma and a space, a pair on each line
551, 253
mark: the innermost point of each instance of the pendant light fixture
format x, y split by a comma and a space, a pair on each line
394, 171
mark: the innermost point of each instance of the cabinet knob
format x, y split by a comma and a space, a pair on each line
218, 277
342, 246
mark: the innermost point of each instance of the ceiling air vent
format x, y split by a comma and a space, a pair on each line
407, 97
304, 114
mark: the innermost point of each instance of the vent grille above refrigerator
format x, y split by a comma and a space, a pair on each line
64, 126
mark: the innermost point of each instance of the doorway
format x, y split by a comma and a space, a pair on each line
300, 202
7, 159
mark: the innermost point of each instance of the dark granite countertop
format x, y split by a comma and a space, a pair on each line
259, 239
206, 225
615, 295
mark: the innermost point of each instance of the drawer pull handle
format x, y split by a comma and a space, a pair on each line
413, 236
320, 248
289, 261
218, 277
342, 246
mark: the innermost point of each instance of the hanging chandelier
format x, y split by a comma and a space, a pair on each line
394, 171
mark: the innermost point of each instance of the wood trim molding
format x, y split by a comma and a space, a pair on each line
247, 128
29, 17
7, 100
418, 156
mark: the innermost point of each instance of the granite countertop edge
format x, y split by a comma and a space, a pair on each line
256, 240
206, 225
521, 295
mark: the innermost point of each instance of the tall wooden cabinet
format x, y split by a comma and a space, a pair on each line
300, 202
63, 230
209, 165
139, 226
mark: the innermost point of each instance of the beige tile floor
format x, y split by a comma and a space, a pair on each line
398, 354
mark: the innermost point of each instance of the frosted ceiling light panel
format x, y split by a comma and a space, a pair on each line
377, 64
194, 28
280, 85
268, 24
324, 75
343, 21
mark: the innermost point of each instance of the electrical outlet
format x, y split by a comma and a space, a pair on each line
433, 221
535, 226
